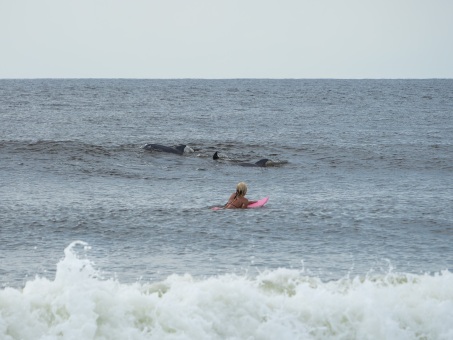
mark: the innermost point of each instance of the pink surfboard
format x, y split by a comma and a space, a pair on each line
257, 204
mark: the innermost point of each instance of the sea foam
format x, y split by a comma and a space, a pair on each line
280, 304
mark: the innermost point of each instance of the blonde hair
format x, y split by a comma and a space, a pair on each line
241, 189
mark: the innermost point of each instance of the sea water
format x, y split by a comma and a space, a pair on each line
102, 239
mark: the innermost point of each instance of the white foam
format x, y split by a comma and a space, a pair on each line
279, 304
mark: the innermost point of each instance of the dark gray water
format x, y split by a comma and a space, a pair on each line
363, 182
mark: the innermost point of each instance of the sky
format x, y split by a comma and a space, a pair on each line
217, 39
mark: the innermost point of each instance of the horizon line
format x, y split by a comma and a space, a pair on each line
202, 78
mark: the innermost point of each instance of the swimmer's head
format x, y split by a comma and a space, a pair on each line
241, 189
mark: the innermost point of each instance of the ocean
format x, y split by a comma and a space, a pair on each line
103, 239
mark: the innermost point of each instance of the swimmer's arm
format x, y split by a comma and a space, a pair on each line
245, 205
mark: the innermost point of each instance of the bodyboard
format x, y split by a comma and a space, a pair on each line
257, 204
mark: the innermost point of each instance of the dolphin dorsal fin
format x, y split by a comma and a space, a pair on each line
180, 147
262, 162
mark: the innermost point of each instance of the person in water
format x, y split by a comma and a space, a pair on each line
237, 199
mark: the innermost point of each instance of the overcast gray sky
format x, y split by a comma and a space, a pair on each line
226, 39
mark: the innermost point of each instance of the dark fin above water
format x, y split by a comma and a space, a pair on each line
262, 162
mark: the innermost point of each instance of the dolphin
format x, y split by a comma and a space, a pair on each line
261, 163
179, 149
